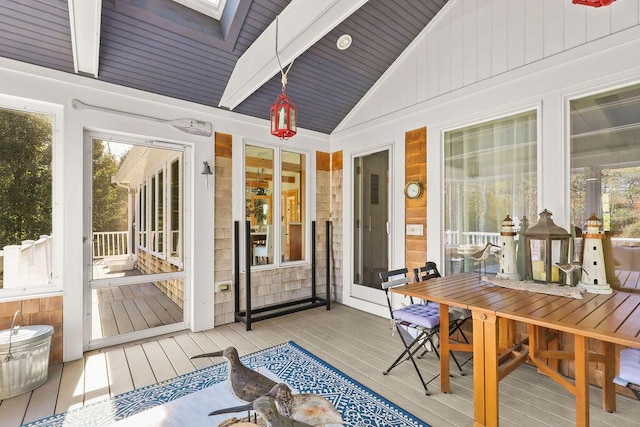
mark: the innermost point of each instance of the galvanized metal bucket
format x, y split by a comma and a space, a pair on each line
24, 357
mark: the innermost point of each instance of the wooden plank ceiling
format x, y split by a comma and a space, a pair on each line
163, 47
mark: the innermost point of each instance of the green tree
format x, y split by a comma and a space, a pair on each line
25, 176
109, 200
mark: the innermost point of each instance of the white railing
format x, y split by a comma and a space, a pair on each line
476, 238
110, 243
27, 264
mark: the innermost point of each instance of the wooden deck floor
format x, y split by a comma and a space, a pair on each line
128, 308
359, 344
121, 309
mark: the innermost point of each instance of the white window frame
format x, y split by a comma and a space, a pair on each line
175, 260
212, 8
57, 222
277, 193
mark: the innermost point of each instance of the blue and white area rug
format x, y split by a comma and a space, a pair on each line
187, 400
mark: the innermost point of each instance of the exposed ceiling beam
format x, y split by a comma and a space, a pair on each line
301, 24
84, 16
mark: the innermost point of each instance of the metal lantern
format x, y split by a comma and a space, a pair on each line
545, 245
594, 3
284, 117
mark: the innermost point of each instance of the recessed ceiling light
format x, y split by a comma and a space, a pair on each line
344, 41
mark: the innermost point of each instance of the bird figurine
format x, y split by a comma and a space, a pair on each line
266, 407
246, 384
309, 408
568, 269
481, 256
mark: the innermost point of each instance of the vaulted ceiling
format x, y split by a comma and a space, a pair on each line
163, 47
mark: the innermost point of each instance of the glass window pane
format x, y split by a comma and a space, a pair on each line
259, 186
605, 172
490, 172
176, 209
25, 199
292, 206
160, 247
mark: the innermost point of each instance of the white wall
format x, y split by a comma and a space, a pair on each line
26, 81
479, 60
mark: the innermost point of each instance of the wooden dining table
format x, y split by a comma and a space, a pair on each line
612, 319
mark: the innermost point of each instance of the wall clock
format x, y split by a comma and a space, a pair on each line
413, 189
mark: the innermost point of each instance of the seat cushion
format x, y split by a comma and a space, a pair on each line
419, 314
630, 365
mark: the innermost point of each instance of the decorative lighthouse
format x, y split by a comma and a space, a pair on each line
508, 265
594, 277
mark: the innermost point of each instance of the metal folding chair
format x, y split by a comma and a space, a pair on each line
629, 370
417, 324
457, 316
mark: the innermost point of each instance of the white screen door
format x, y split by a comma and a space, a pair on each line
134, 239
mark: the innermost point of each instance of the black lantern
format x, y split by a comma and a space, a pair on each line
545, 244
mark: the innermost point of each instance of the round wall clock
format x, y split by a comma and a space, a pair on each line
413, 189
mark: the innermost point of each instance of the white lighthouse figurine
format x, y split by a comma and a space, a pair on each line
508, 265
594, 277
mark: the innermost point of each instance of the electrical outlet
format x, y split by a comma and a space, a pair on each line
415, 229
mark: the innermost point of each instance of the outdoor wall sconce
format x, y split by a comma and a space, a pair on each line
545, 244
206, 171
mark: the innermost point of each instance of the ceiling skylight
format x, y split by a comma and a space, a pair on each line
212, 8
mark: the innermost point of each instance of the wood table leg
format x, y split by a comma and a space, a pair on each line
582, 381
445, 383
608, 387
507, 328
485, 369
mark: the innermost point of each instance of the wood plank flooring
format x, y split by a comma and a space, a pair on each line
127, 308
357, 343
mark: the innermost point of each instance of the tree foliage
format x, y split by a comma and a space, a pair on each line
109, 200
25, 176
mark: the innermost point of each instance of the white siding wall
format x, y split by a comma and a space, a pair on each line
478, 60
473, 40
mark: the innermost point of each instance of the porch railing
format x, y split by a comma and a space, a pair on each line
27, 264
476, 238
110, 243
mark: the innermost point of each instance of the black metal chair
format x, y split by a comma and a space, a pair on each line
417, 324
457, 316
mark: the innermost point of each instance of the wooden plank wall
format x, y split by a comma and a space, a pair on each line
416, 210
37, 311
223, 222
337, 220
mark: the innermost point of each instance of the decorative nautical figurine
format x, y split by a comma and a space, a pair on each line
482, 255
508, 266
246, 384
594, 277
308, 408
520, 253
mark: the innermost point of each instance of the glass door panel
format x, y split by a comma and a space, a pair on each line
136, 279
370, 224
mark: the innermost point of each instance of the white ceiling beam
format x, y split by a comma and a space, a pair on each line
84, 16
301, 24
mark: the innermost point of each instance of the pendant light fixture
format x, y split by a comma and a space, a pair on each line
594, 3
284, 114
